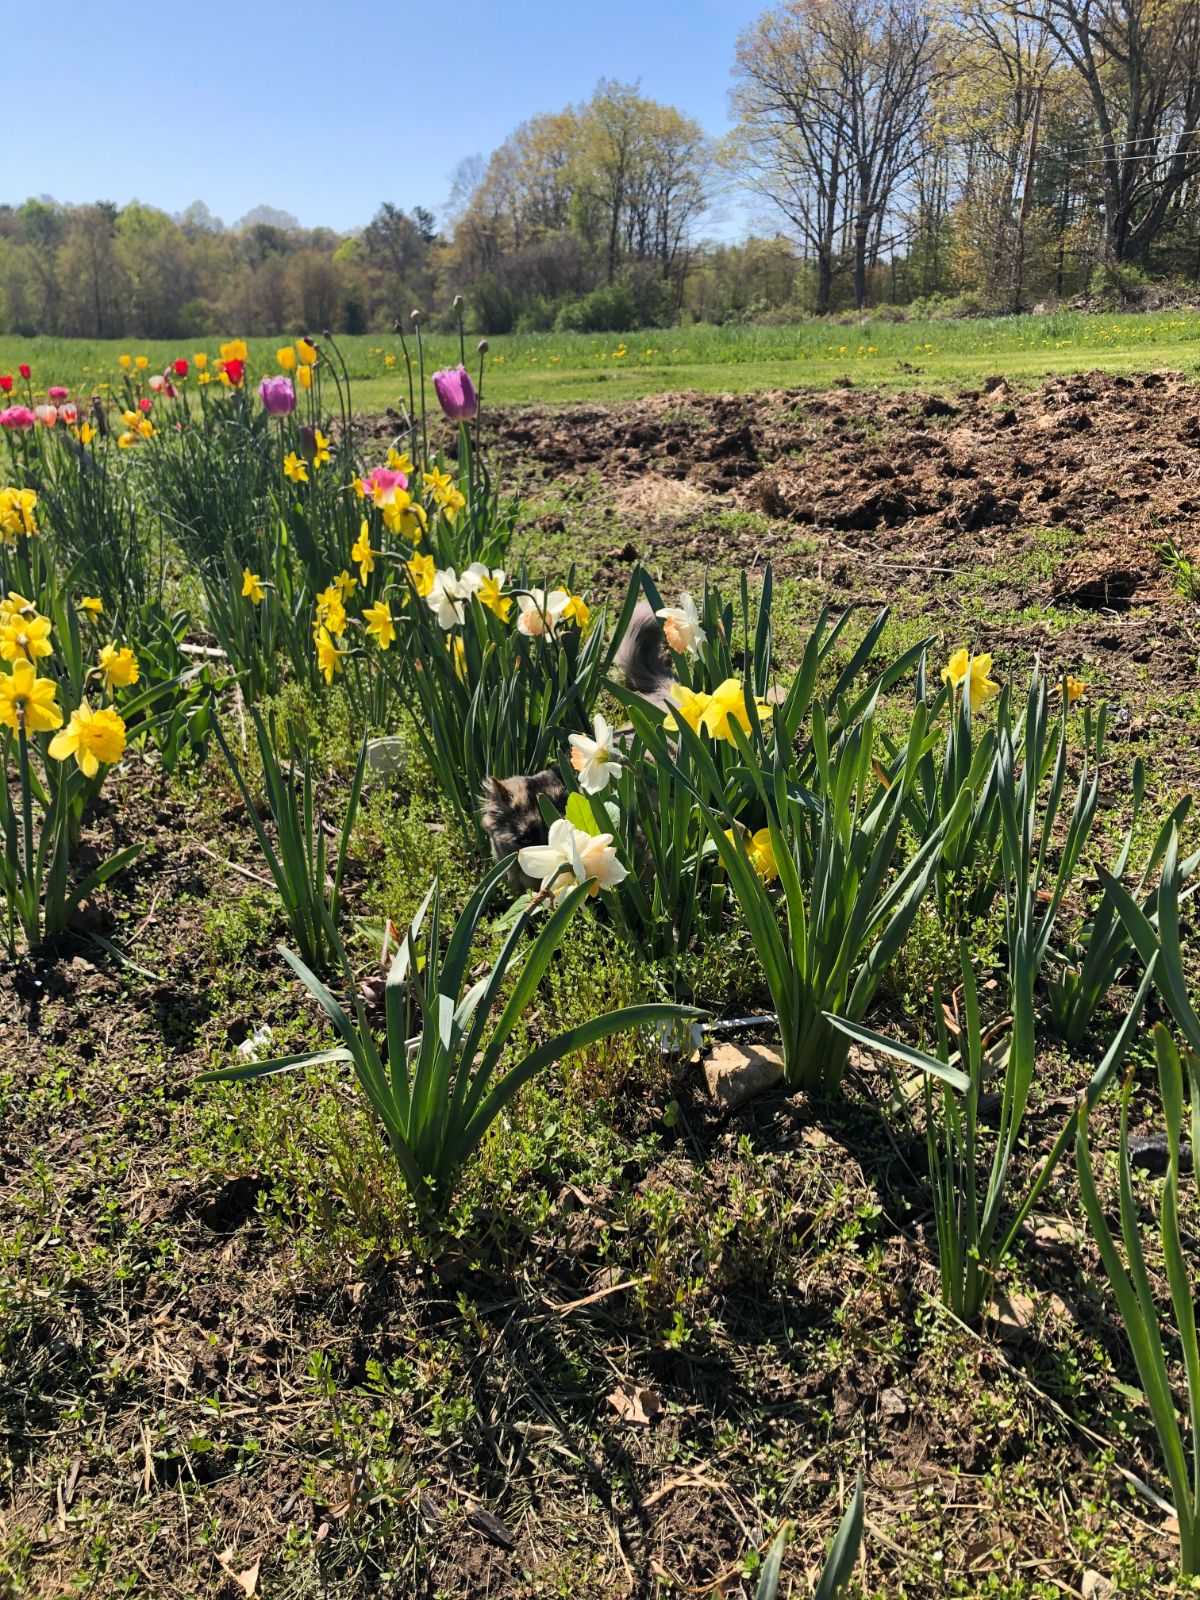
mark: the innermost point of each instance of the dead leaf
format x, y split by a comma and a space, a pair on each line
1096, 1586
491, 1527
637, 1406
246, 1580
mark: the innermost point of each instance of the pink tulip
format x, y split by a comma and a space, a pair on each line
69, 413
382, 484
58, 394
157, 383
17, 417
47, 415
456, 393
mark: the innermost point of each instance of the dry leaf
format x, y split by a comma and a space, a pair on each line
635, 1405
247, 1580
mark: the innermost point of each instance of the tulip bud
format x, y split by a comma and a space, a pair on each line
458, 300
308, 442
277, 395
456, 393
482, 347
415, 316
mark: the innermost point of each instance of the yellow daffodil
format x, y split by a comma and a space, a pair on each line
963, 665
294, 468
94, 738
131, 418
344, 584
307, 351
119, 667
25, 638
92, 605
380, 626
86, 433
762, 855
146, 428
459, 651
286, 357
320, 448
692, 705
577, 611
361, 552
126, 441
1076, 689
489, 595
437, 482
331, 612
17, 508
404, 516
421, 570
235, 350
726, 705
329, 657
453, 501
399, 460
27, 702
252, 587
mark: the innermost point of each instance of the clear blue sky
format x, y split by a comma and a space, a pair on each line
325, 110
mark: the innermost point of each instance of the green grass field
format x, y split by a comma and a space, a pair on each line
612, 367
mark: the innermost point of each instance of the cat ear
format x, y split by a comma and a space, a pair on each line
497, 788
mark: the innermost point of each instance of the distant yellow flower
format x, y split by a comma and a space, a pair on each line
491, 597
252, 587
321, 448
1076, 689
577, 611
200, 360
329, 657
126, 441
307, 351
437, 482
380, 626
235, 350
361, 552
304, 377
981, 688
93, 606
120, 667
399, 460
146, 428
27, 702
294, 468
344, 584
453, 501
86, 433
125, 361
131, 418
331, 612
692, 704
204, 377
25, 638
286, 357
92, 737
142, 363
422, 569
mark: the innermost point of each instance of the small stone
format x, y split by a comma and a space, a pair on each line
736, 1073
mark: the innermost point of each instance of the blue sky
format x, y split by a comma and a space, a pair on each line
325, 110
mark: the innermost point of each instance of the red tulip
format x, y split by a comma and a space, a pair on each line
5, 383
25, 371
235, 371
180, 366
144, 404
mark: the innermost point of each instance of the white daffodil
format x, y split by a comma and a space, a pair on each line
445, 598
681, 625
540, 612
593, 758
569, 857
476, 575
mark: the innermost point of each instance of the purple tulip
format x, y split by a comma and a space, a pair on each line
277, 395
456, 393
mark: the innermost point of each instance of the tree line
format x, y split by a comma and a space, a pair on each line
895, 151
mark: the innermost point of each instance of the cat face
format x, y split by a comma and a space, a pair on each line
512, 817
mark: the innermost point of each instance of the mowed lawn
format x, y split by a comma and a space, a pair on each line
563, 367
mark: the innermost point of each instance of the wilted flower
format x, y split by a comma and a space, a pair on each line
17, 417
277, 395
456, 393
252, 587
92, 737
593, 758
681, 626
963, 665
571, 856
27, 702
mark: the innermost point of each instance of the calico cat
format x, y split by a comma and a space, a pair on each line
509, 807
